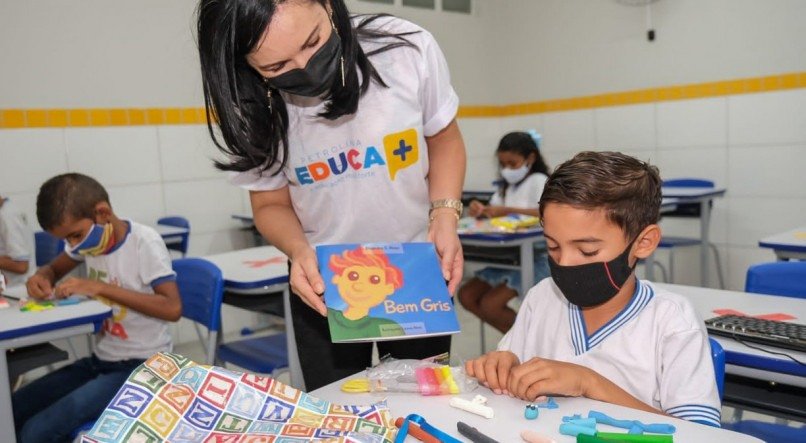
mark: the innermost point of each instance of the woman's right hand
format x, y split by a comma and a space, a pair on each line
476, 208
305, 279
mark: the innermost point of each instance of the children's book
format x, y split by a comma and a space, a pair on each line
384, 291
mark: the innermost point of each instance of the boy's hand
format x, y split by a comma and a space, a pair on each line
539, 376
79, 286
305, 279
475, 208
39, 286
493, 370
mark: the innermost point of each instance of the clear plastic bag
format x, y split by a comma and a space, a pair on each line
424, 377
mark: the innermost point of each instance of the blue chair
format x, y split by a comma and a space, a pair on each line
179, 222
786, 278
201, 288
718, 357
47, 247
669, 242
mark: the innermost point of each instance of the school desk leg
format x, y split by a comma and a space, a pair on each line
527, 266
649, 267
705, 241
6, 416
294, 367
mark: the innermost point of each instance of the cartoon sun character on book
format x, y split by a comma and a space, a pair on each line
364, 278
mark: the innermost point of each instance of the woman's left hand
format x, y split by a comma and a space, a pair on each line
442, 231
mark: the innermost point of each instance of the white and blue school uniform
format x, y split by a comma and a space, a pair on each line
524, 195
656, 348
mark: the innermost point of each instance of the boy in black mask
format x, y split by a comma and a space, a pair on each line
593, 329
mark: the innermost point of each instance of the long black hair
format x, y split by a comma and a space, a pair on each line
523, 144
253, 130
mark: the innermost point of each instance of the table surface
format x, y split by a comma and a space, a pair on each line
691, 193
15, 323
706, 300
794, 240
165, 230
252, 268
509, 420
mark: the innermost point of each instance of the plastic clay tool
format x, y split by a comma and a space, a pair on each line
635, 438
632, 426
473, 434
442, 436
415, 431
535, 437
476, 406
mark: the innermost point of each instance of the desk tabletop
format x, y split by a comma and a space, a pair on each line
252, 268
165, 230
707, 300
691, 193
793, 240
15, 323
509, 418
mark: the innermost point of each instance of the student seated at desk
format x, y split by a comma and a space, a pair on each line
594, 329
524, 172
16, 244
129, 269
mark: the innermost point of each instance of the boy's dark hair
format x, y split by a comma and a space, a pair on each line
68, 195
628, 189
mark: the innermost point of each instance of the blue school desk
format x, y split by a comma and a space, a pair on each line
170, 234
750, 363
254, 276
524, 240
789, 245
703, 196
509, 419
19, 329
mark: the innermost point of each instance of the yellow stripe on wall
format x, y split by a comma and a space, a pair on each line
62, 118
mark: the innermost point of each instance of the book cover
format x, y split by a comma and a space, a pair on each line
384, 291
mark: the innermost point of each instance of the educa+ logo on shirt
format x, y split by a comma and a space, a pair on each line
401, 149
112, 325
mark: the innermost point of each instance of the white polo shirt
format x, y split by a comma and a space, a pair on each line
525, 195
140, 262
16, 241
656, 348
363, 177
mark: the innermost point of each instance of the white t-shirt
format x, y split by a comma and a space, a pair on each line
656, 349
362, 177
16, 241
525, 195
139, 263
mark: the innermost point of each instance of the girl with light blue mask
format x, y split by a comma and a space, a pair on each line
523, 174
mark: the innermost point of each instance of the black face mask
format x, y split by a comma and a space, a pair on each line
317, 76
594, 283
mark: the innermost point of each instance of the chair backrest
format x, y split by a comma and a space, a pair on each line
688, 183
718, 357
687, 210
787, 278
201, 288
179, 222
47, 247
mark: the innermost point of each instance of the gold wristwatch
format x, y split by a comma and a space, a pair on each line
451, 203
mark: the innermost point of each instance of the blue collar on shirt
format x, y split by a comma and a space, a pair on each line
579, 334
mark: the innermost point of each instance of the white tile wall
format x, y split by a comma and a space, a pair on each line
207, 204
704, 162
771, 118
768, 171
570, 130
187, 153
625, 127
692, 123
18, 146
115, 156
